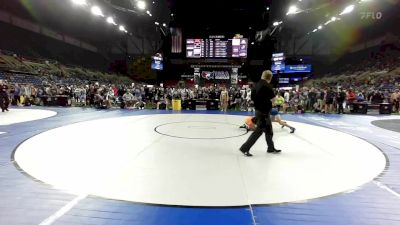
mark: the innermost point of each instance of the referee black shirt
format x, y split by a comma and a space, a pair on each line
263, 96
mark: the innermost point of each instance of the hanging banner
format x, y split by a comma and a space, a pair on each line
176, 40
215, 75
206, 75
221, 75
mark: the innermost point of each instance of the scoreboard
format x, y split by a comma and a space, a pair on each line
278, 62
217, 48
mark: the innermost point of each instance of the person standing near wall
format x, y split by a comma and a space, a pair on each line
224, 99
4, 101
394, 99
341, 96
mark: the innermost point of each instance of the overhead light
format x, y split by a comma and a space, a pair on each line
347, 10
96, 11
320, 27
122, 28
172, 14
157, 23
141, 5
110, 20
333, 19
148, 12
315, 30
164, 24
267, 8
292, 10
277, 23
79, 2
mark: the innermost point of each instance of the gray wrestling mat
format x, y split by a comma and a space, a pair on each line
393, 125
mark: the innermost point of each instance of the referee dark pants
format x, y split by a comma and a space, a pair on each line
264, 125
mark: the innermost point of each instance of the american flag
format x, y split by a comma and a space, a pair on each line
176, 45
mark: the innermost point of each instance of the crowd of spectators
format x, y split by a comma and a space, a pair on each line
325, 97
336, 99
376, 82
107, 95
374, 79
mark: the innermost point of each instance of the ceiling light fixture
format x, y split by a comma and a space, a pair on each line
347, 10
96, 11
292, 10
110, 20
141, 5
122, 28
79, 2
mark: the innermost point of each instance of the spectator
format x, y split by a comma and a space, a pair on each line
329, 97
128, 99
341, 97
4, 101
395, 99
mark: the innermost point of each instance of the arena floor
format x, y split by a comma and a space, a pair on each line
85, 166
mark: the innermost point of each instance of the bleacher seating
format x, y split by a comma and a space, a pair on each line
3, 64
39, 71
3, 76
25, 79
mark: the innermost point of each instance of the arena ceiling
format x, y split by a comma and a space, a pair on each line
219, 16
317, 12
247, 17
62, 16
201, 17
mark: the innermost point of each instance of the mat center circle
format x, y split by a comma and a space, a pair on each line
200, 130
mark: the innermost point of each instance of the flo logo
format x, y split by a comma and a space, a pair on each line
371, 15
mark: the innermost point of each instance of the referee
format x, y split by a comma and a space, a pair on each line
263, 97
